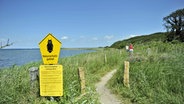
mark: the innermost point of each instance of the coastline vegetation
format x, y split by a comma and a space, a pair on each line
15, 80
156, 75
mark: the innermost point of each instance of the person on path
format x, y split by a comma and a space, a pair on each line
131, 49
127, 48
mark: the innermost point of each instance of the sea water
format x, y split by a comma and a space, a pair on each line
9, 57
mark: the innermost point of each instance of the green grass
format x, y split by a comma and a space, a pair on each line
15, 83
155, 78
156, 37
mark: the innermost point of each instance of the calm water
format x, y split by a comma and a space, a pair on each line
9, 57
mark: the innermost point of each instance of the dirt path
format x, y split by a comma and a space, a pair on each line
106, 97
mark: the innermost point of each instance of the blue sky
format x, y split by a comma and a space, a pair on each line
81, 23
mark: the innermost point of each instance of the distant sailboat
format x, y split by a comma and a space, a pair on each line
7, 44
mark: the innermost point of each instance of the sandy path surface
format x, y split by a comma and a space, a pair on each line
106, 97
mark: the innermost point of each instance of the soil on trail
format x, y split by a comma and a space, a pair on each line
106, 97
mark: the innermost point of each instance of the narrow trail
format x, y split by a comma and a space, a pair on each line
106, 97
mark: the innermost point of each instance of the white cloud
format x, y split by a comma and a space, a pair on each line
109, 37
64, 38
131, 36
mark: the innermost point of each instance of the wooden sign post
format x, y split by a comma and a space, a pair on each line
82, 79
51, 74
126, 74
105, 58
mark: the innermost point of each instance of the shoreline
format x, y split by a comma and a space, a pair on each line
39, 61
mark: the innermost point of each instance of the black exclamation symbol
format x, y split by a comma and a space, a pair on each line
49, 46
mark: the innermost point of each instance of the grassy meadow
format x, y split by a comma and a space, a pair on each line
15, 81
156, 75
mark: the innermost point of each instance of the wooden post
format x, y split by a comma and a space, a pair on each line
34, 81
105, 59
126, 74
82, 79
33, 75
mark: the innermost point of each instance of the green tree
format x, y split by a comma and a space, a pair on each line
174, 24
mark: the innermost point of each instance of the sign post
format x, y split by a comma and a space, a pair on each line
126, 74
51, 74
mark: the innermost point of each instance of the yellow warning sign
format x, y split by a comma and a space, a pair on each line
51, 80
50, 49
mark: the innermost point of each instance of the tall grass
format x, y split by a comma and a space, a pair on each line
15, 81
156, 77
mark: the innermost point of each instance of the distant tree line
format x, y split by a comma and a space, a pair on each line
174, 24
